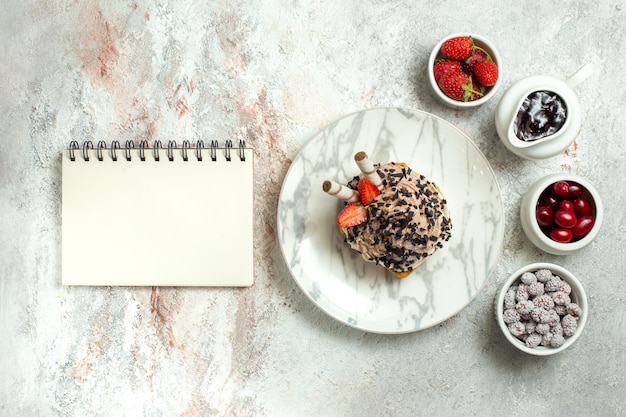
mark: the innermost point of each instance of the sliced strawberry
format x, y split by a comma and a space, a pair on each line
352, 215
486, 72
367, 191
445, 65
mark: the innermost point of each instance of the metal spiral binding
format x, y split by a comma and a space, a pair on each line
72, 147
155, 149
142, 150
114, 146
241, 151
199, 147
228, 147
213, 151
86, 146
129, 147
186, 146
101, 145
170, 149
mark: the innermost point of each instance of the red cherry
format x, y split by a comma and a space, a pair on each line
561, 235
572, 217
582, 206
560, 189
566, 219
566, 205
575, 190
583, 226
544, 216
548, 200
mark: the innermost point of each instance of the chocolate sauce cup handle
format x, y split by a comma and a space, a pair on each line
580, 76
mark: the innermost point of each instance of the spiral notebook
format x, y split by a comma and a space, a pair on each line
157, 215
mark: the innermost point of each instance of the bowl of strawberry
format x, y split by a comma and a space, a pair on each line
561, 213
464, 70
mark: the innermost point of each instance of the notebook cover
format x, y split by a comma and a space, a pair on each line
157, 223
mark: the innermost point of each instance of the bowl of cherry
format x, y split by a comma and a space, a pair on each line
561, 213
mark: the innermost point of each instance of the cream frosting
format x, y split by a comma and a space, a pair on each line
408, 221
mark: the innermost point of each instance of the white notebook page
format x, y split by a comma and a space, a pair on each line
157, 223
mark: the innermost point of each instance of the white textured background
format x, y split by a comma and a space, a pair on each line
273, 72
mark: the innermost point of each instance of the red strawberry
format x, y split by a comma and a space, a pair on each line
352, 215
486, 72
477, 56
476, 91
458, 86
445, 65
452, 84
459, 48
367, 191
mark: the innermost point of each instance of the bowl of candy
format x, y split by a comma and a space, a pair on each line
464, 70
541, 309
561, 213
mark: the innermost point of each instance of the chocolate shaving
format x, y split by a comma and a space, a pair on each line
393, 220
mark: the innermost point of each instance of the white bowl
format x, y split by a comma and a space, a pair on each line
490, 91
531, 227
577, 296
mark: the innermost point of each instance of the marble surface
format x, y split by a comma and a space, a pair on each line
273, 73
364, 295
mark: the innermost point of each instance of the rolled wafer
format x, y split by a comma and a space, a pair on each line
340, 191
367, 168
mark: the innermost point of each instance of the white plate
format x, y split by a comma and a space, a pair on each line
364, 295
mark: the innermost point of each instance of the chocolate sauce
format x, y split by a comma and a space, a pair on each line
542, 114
